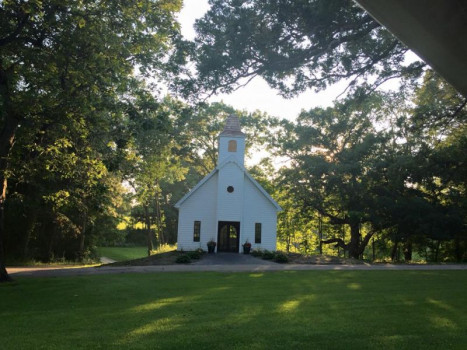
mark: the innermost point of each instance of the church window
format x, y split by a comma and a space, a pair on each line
230, 189
197, 231
232, 146
258, 232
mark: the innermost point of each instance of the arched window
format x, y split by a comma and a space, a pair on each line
232, 146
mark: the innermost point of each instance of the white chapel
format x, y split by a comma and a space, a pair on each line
228, 206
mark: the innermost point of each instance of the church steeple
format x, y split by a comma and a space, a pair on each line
232, 141
232, 127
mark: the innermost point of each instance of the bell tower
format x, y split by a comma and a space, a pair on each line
232, 141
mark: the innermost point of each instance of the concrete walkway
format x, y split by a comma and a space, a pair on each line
56, 272
106, 260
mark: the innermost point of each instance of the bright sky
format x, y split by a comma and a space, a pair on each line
257, 95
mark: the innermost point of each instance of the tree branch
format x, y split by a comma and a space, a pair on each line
339, 242
365, 241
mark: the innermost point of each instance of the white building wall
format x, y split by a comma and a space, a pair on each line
224, 149
230, 204
258, 209
200, 206
212, 203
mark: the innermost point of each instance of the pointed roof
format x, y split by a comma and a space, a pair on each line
212, 173
232, 127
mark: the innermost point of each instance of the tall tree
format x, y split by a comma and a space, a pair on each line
332, 153
293, 45
75, 59
391, 160
152, 157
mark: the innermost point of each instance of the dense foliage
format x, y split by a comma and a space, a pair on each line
66, 79
368, 167
93, 154
294, 46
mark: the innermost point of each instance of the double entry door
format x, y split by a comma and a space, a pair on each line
228, 236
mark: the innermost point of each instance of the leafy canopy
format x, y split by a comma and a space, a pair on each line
293, 45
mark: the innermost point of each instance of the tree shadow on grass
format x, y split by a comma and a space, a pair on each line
293, 309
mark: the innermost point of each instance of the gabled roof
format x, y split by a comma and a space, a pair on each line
211, 174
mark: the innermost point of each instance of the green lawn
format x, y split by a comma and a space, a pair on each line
275, 310
123, 253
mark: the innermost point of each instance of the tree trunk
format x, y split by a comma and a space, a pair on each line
373, 248
457, 247
4, 276
147, 220
83, 236
29, 232
159, 224
50, 245
6, 143
394, 251
408, 251
354, 245
7, 137
438, 243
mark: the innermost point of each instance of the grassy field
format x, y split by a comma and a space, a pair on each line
131, 253
276, 310
123, 253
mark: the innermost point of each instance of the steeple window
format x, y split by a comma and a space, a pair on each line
232, 146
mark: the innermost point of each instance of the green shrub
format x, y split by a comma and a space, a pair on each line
257, 252
268, 255
183, 259
195, 255
281, 258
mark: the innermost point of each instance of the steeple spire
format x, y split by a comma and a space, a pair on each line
232, 127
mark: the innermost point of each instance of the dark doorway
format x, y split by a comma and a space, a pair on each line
228, 236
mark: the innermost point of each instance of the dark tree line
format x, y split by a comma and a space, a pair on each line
66, 70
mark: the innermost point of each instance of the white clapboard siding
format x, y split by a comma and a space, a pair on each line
199, 206
230, 205
258, 209
239, 155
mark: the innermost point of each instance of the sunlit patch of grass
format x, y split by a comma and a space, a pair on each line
131, 253
123, 253
164, 324
439, 304
289, 305
280, 310
442, 322
256, 275
354, 286
158, 304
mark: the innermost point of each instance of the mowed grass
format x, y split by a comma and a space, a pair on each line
275, 310
123, 253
